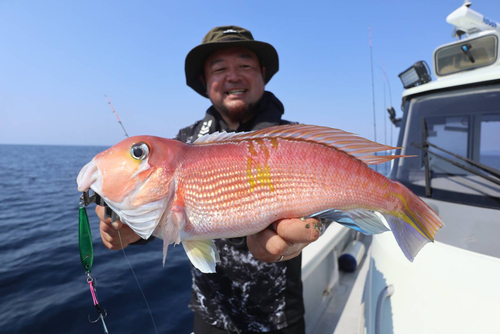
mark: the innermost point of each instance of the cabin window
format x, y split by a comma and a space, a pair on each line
465, 122
489, 152
452, 134
466, 55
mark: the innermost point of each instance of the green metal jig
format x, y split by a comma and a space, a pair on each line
85, 238
87, 254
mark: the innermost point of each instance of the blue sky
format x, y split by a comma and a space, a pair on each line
59, 58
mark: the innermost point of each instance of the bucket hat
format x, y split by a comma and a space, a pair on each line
224, 37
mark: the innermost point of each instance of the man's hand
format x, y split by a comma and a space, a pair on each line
286, 237
109, 231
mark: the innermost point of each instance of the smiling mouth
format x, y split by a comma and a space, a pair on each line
236, 91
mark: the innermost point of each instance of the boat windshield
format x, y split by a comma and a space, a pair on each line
455, 136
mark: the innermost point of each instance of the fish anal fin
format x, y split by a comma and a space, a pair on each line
203, 254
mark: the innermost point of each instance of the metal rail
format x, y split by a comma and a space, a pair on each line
486, 177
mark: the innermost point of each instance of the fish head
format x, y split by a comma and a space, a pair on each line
134, 178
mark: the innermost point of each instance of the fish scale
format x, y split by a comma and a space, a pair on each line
236, 184
248, 209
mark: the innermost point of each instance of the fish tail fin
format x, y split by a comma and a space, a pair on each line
414, 223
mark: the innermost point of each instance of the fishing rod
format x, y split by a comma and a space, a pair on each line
86, 245
114, 112
386, 83
85, 240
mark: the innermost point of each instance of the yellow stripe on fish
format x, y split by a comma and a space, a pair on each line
405, 215
263, 171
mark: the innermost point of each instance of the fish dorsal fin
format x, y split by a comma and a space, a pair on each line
347, 142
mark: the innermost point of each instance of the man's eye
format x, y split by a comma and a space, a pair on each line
219, 69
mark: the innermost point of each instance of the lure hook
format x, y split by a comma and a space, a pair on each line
87, 252
102, 315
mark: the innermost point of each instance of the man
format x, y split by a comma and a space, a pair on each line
257, 286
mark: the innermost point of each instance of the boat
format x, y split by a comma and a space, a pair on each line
452, 126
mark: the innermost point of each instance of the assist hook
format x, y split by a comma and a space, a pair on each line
102, 315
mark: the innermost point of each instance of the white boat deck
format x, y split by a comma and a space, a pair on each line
343, 314
332, 297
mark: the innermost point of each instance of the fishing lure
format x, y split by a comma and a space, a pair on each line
87, 253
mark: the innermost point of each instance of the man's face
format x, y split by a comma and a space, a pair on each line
235, 82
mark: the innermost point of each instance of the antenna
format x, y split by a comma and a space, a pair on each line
118, 118
390, 100
373, 90
385, 105
385, 118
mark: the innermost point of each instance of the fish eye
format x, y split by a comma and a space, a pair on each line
139, 151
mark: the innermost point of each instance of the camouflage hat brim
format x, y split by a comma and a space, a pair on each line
195, 60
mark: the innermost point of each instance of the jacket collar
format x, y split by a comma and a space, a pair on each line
269, 113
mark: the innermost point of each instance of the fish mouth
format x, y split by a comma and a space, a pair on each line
142, 219
88, 176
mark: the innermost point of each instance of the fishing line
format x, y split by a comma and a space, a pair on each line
138, 284
119, 235
121, 243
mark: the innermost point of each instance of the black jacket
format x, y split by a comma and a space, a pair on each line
246, 294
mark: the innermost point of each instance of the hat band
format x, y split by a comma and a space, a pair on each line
228, 39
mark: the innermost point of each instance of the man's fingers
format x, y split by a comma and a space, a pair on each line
289, 256
107, 229
112, 231
109, 236
266, 245
297, 231
117, 224
99, 210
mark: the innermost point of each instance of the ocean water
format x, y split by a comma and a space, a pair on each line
490, 160
43, 287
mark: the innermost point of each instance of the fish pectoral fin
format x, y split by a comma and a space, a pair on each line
175, 223
202, 253
362, 220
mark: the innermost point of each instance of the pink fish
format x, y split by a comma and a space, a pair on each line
236, 184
